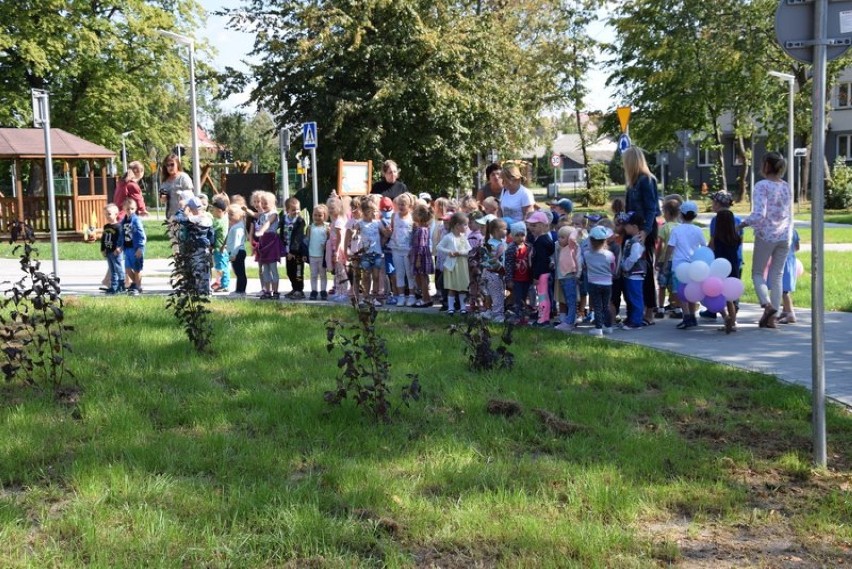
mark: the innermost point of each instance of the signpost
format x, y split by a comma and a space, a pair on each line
41, 118
309, 142
284, 144
555, 161
811, 32
684, 153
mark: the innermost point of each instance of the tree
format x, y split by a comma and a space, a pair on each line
427, 83
249, 138
106, 69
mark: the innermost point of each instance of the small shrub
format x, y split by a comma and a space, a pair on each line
364, 366
838, 189
680, 187
597, 194
32, 319
189, 297
478, 345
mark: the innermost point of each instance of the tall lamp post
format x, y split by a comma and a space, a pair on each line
188, 41
791, 80
124, 136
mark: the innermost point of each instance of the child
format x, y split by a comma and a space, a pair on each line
335, 252
388, 269
372, 257
600, 265
566, 274
134, 246
493, 267
468, 205
722, 201
684, 240
578, 220
402, 226
268, 245
196, 236
491, 206
671, 211
455, 248
474, 259
235, 246
352, 245
112, 239
440, 208
542, 251
726, 243
788, 282
518, 275
318, 234
421, 253
633, 267
292, 230
221, 274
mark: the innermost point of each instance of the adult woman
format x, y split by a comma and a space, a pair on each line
516, 201
390, 185
128, 187
493, 187
772, 220
642, 197
173, 180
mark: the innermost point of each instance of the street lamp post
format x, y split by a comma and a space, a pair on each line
791, 80
124, 136
188, 41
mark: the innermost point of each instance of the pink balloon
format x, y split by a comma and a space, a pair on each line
712, 286
800, 268
732, 288
693, 292
714, 303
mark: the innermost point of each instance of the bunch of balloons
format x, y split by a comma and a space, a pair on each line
706, 279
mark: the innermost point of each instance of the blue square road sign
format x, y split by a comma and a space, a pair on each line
309, 135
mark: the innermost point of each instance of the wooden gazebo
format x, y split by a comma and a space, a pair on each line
74, 212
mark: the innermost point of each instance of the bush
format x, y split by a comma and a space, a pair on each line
597, 195
838, 189
190, 295
477, 345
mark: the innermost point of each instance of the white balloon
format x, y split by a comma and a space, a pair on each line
698, 271
682, 273
720, 268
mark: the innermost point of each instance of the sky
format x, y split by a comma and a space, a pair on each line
233, 47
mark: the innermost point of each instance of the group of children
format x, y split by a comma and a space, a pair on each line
552, 268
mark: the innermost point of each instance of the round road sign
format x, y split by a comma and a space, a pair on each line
623, 143
556, 161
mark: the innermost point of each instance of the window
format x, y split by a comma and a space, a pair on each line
705, 157
844, 95
844, 146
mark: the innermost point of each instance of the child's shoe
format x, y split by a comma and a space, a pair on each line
392, 301
659, 313
607, 330
410, 301
297, 295
596, 332
588, 318
313, 295
323, 295
564, 327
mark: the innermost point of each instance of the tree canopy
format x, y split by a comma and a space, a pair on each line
427, 83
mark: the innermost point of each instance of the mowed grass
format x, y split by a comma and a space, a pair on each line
233, 459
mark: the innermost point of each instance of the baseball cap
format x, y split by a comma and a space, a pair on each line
723, 198
220, 204
193, 203
600, 232
386, 204
686, 207
593, 217
634, 218
518, 228
564, 204
486, 219
425, 196
537, 217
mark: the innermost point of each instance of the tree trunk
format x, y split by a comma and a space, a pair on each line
36, 184
582, 134
744, 169
721, 144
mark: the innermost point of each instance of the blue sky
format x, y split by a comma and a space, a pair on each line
233, 47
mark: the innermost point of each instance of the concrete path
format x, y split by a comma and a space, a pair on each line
784, 352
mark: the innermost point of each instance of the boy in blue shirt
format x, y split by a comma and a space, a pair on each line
134, 246
111, 243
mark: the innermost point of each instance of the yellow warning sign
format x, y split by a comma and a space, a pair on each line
623, 117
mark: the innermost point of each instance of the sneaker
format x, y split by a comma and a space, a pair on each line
341, 298
323, 295
659, 313
677, 313
410, 301
707, 314
134, 292
237, 293
392, 301
443, 308
687, 322
313, 295
564, 327
629, 326
377, 302
607, 330
297, 295
588, 318
275, 296
451, 311
597, 332
463, 311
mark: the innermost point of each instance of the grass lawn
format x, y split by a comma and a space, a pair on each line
233, 459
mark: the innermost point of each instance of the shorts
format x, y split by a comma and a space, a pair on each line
664, 275
131, 262
390, 269
220, 261
370, 261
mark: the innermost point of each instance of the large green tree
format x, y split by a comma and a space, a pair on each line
249, 138
106, 68
429, 83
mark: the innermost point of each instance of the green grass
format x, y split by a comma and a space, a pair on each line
233, 459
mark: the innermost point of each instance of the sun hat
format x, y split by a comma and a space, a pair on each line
723, 198
486, 219
518, 228
425, 196
386, 204
564, 204
687, 207
537, 217
600, 232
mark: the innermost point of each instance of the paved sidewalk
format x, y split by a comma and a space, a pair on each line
784, 352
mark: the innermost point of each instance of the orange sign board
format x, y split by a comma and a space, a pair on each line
623, 117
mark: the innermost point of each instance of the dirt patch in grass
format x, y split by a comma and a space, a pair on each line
557, 425
504, 407
457, 558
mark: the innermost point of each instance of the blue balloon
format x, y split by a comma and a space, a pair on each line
703, 254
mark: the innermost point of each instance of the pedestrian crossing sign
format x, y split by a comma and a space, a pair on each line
309, 135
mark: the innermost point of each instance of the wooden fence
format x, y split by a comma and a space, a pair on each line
71, 214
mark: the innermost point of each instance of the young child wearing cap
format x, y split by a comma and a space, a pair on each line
684, 240
387, 269
221, 274
542, 253
600, 265
671, 214
567, 259
518, 274
633, 267
474, 259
